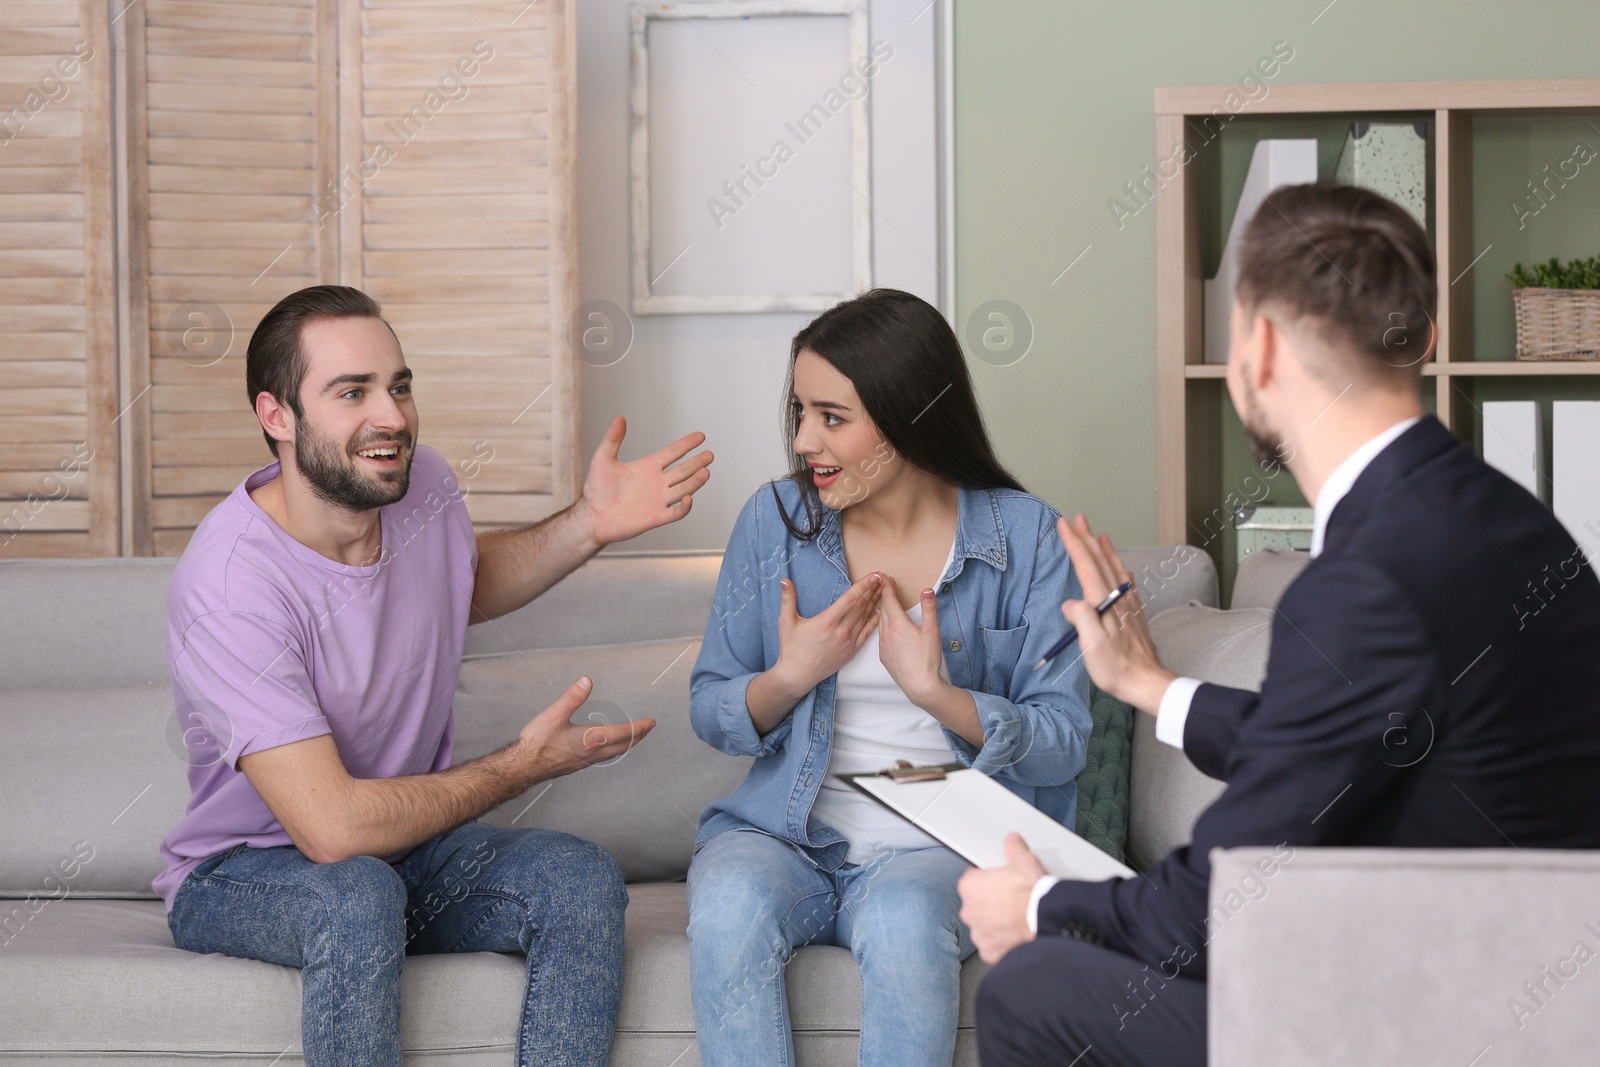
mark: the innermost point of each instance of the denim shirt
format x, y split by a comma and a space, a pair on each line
999, 609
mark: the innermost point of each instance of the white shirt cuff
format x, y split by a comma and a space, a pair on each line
1174, 710
1040, 888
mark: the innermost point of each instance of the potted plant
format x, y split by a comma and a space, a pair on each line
1558, 309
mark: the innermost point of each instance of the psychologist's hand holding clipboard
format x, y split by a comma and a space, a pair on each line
971, 814
1010, 843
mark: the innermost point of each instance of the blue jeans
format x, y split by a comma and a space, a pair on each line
754, 898
555, 899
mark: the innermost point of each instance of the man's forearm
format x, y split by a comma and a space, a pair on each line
383, 816
514, 566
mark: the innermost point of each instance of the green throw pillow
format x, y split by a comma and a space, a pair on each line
1103, 782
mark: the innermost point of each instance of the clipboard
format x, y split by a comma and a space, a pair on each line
970, 813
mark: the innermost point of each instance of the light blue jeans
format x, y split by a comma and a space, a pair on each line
755, 898
554, 899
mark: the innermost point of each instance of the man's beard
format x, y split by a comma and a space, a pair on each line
1266, 444
334, 476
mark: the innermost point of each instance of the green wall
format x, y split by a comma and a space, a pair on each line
1054, 112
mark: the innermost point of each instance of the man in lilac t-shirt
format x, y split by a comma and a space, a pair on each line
315, 630
272, 642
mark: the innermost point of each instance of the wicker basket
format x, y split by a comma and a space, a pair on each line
1557, 323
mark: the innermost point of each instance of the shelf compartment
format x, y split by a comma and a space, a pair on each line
1198, 448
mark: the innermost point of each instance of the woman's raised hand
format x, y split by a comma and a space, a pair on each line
809, 650
911, 653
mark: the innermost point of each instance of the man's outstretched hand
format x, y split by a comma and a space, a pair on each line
1116, 646
994, 901
553, 745
623, 500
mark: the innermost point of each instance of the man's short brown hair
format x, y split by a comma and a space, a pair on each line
1352, 266
276, 363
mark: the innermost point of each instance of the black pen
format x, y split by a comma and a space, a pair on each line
1072, 631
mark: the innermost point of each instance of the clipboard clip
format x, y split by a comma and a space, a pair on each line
904, 771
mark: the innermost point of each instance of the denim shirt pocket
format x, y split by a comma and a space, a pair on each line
1002, 650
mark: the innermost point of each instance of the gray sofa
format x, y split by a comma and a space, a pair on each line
92, 775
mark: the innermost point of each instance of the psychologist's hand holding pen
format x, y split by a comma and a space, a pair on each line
1109, 623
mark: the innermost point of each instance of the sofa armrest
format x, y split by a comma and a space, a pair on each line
1454, 957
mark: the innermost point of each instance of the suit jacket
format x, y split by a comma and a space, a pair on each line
1433, 682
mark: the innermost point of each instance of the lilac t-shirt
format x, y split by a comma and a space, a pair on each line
271, 642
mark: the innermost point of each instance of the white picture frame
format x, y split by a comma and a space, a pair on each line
646, 302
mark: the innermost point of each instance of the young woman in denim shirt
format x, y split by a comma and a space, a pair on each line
887, 600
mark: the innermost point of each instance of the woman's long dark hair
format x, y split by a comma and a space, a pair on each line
908, 369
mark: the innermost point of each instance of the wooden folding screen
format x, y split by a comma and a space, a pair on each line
58, 411
419, 149
232, 125
457, 209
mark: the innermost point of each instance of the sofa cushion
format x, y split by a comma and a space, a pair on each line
615, 597
1168, 576
103, 771
105, 975
1225, 647
90, 781
643, 806
1103, 783
1264, 575
112, 614
100, 622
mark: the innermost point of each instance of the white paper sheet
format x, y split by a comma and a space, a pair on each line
970, 813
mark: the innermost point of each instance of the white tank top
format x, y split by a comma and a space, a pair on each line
874, 725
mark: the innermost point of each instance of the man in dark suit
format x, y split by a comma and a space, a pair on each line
1434, 679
